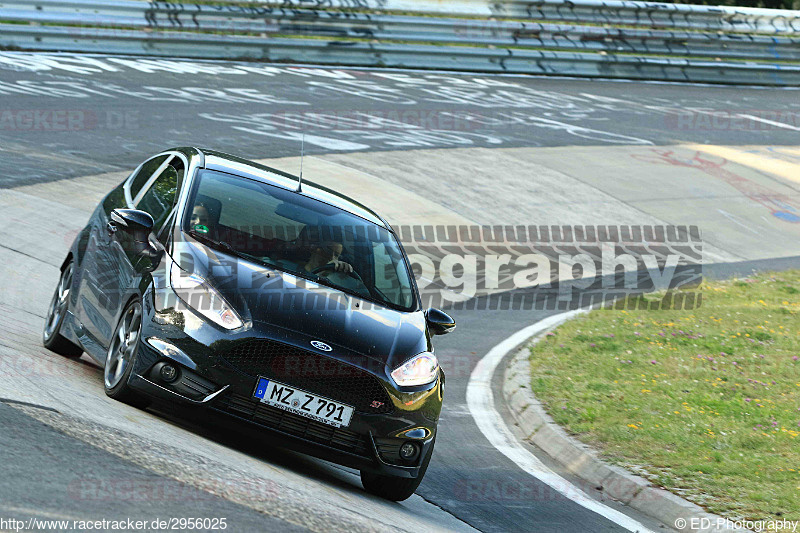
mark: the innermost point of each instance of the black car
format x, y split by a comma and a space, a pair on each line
214, 281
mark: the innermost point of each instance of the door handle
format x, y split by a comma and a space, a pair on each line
111, 228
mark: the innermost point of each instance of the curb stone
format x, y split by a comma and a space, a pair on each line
581, 460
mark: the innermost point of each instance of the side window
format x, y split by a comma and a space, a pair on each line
141, 177
160, 196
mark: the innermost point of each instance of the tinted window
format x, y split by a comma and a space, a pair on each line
300, 235
144, 174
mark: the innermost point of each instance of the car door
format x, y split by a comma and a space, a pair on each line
158, 198
109, 262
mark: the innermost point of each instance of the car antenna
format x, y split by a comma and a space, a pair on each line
300, 179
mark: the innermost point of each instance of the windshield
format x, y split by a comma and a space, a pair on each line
300, 235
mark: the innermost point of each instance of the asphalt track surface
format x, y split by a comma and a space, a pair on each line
66, 116
51, 461
69, 116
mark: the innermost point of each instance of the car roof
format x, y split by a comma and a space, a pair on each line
232, 164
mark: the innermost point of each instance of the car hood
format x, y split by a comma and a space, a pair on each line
316, 312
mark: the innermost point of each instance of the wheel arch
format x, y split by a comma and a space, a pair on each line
66, 261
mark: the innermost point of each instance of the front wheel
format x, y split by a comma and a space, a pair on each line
121, 356
394, 488
52, 339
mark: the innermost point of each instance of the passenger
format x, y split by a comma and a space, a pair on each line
201, 219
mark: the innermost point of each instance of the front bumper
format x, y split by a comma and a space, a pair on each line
371, 440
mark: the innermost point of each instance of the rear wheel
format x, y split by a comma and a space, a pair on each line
392, 487
121, 356
51, 336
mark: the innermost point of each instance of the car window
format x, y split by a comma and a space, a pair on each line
141, 177
159, 198
300, 235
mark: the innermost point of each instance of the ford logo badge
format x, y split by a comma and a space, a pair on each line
321, 346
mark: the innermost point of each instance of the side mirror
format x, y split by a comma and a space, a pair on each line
138, 224
439, 322
144, 251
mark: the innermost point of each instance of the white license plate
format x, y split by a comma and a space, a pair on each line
303, 403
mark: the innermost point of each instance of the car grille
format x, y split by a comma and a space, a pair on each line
286, 422
310, 371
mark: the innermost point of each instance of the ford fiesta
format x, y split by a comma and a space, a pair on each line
214, 281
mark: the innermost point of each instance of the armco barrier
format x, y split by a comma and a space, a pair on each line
369, 32
647, 14
417, 29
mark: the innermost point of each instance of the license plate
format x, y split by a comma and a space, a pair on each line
303, 403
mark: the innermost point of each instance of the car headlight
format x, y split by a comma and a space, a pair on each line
196, 292
419, 370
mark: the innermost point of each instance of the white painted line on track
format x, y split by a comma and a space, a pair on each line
480, 401
771, 122
733, 219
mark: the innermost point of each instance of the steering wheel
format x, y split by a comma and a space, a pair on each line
330, 266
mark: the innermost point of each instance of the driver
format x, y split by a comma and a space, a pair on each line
325, 253
314, 255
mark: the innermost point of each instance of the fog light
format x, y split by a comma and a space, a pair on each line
408, 451
168, 373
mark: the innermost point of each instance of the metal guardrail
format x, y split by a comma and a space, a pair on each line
356, 34
645, 14
413, 29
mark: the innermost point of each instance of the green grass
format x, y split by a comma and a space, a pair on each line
703, 402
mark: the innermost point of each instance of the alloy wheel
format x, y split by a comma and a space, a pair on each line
58, 306
123, 345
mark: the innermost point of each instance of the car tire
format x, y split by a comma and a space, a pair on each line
121, 356
395, 488
59, 305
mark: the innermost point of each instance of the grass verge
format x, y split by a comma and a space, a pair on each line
704, 402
